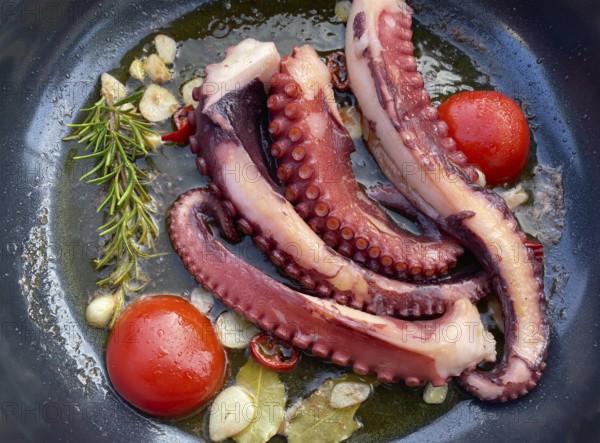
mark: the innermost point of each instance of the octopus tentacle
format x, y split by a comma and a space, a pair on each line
313, 149
227, 134
414, 351
392, 97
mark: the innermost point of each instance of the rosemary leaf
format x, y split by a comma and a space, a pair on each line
115, 136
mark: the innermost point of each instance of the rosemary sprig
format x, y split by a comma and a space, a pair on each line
116, 135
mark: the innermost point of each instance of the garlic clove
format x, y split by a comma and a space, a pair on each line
342, 10
514, 197
153, 141
156, 69
136, 70
112, 89
166, 48
231, 412
157, 104
202, 300
435, 395
234, 331
346, 394
188, 88
100, 311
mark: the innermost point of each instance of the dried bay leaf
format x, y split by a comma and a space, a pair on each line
269, 393
314, 419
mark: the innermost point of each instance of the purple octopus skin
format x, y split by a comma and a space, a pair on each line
389, 197
390, 92
391, 349
313, 150
228, 144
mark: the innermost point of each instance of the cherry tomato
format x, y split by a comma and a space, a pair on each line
491, 130
164, 358
273, 353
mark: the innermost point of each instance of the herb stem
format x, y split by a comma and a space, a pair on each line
115, 136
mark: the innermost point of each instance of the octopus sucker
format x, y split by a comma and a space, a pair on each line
318, 163
413, 350
410, 133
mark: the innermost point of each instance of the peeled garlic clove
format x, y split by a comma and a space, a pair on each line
234, 331
346, 394
156, 69
342, 10
202, 300
166, 48
136, 69
514, 197
230, 413
157, 104
153, 141
100, 311
435, 395
188, 88
112, 89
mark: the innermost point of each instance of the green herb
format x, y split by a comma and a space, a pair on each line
116, 136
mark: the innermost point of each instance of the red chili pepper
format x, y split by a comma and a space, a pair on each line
273, 353
184, 129
180, 136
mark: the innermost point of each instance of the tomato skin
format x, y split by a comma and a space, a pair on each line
273, 353
491, 130
163, 357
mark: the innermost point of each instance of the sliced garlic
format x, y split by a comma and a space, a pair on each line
342, 10
136, 69
112, 89
346, 394
156, 69
153, 141
435, 395
514, 197
202, 300
166, 48
157, 104
188, 88
234, 331
100, 311
230, 413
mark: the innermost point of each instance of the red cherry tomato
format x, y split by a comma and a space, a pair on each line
273, 353
491, 130
164, 358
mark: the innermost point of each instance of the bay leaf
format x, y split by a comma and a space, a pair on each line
269, 392
314, 419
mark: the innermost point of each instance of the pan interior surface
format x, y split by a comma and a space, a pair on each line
53, 383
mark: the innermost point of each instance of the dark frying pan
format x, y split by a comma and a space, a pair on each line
50, 56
